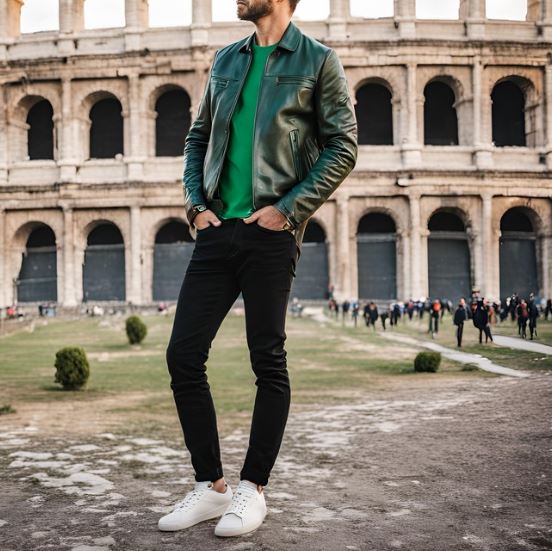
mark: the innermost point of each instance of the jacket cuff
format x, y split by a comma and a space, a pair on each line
285, 211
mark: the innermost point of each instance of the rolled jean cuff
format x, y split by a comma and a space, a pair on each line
210, 476
256, 477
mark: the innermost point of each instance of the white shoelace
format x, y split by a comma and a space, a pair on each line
191, 498
243, 495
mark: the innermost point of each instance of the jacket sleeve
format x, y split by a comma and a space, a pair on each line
337, 135
195, 147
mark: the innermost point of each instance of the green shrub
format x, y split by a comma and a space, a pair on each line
427, 361
6, 409
136, 329
72, 368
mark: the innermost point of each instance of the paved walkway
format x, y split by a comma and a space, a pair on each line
456, 355
522, 344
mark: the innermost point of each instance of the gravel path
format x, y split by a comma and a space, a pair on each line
427, 465
522, 344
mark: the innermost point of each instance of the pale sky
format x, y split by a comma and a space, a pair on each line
42, 15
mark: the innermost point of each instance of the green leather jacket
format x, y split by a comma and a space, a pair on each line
305, 129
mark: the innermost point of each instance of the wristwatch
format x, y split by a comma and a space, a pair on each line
196, 209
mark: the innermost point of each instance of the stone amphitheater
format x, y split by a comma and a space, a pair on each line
452, 189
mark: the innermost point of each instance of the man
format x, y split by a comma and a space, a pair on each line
460, 316
275, 135
533, 314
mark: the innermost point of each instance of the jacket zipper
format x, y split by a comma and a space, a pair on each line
295, 151
254, 123
228, 123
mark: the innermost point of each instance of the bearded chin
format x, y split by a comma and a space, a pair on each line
253, 13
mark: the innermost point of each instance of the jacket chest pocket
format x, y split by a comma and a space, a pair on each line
302, 80
219, 82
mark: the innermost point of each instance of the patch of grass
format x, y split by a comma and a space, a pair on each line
327, 364
7, 409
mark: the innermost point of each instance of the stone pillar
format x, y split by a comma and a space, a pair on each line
3, 259
67, 160
135, 256
69, 296
340, 10
135, 142
548, 123
546, 20
10, 19
546, 257
415, 248
201, 22
473, 12
411, 153
486, 253
3, 138
136, 21
71, 20
343, 253
405, 17
10, 28
483, 157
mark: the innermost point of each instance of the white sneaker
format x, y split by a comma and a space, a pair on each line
246, 512
202, 503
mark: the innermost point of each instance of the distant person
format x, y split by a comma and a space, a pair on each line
460, 316
522, 314
481, 321
533, 314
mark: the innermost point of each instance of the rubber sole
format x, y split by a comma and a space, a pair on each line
203, 518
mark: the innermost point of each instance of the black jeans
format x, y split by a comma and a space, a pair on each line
228, 259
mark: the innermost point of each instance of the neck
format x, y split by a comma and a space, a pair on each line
271, 28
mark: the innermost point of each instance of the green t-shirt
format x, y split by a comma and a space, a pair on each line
236, 179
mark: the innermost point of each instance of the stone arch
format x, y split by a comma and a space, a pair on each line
520, 252
19, 127
172, 121
377, 252
374, 111
458, 79
104, 274
532, 108
440, 114
311, 279
37, 276
449, 257
171, 257
84, 101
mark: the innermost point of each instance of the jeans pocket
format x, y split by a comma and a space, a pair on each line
268, 230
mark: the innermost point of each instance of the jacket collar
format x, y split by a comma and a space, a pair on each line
289, 40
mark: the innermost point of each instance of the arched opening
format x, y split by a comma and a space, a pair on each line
172, 123
104, 14
440, 118
104, 264
430, 9
106, 130
508, 113
377, 257
449, 264
312, 280
37, 279
171, 255
40, 134
168, 13
513, 10
374, 114
518, 254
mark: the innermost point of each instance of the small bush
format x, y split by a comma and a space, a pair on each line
136, 329
427, 361
6, 409
72, 368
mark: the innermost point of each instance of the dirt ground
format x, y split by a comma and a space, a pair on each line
439, 464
